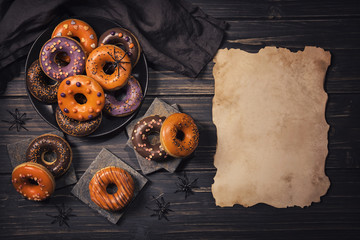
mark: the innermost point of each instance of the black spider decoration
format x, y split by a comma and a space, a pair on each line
117, 63
18, 121
184, 185
162, 210
63, 216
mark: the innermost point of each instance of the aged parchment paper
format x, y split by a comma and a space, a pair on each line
269, 111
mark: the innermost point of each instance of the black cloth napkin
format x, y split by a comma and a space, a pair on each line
174, 34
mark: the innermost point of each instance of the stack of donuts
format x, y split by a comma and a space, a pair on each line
84, 75
178, 135
35, 178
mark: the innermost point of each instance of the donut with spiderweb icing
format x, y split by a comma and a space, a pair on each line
110, 66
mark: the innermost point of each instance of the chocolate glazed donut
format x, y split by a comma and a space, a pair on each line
122, 37
140, 138
74, 127
36, 82
50, 143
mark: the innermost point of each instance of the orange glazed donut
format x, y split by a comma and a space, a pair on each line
33, 181
111, 176
179, 135
76, 28
105, 59
80, 97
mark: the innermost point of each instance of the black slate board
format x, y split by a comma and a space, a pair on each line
105, 159
17, 153
161, 108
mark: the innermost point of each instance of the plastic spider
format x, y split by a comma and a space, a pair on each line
184, 185
63, 215
18, 121
117, 63
162, 210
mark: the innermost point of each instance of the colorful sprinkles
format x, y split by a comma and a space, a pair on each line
58, 45
140, 138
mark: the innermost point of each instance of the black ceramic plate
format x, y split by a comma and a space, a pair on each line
109, 123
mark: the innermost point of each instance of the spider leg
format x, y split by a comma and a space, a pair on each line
111, 56
12, 114
165, 217
66, 223
24, 127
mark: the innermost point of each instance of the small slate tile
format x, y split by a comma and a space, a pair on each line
105, 159
17, 153
161, 108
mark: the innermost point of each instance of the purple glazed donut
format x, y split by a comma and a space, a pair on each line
122, 37
128, 104
61, 45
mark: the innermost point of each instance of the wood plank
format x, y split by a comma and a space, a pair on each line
337, 36
280, 9
342, 114
338, 210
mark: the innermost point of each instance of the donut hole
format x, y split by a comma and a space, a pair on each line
180, 135
49, 157
154, 138
32, 182
120, 45
80, 98
111, 188
109, 68
120, 94
62, 59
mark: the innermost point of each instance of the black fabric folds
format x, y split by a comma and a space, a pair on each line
174, 34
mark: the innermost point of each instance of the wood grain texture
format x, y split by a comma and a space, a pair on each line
333, 25
270, 9
343, 115
198, 213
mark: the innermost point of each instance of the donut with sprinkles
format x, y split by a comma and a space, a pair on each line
81, 98
110, 66
123, 38
128, 104
39, 85
76, 28
50, 143
150, 150
57, 46
33, 181
179, 135
74, 127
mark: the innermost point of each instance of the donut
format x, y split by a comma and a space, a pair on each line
150, 150
39, 86
105, 58
80, 98
111, 176
122, 37
179, 135
50, 143
128, 104
76, 28
74, 127
53, 67
33, 181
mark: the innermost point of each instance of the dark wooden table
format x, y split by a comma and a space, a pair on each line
332, 25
